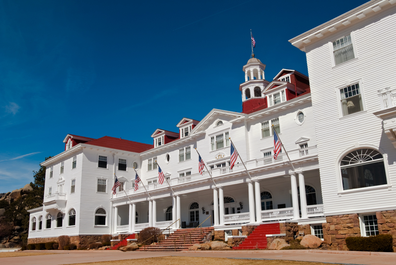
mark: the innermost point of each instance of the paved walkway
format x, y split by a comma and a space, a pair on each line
79, 256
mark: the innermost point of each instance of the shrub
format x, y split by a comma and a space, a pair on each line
24, 247
39, 246
72, 246
382, 243
49, 245
31, 246
106, 238
67, 247
106, 243
149, 235
55, 245
63, 241
95, 245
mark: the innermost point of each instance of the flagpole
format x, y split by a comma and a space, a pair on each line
209, 172
251, 44
143, 184
283, 148
241, 159
167, 182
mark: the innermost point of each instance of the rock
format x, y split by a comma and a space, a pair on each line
278, 244
2, 211
27, 188
15, 194
311, 241
219, 245
2, 246
130, 247
205, 246
195, 247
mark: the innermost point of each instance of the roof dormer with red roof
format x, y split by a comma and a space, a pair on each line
161, 137
72, 140
186, 126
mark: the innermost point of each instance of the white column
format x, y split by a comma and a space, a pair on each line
150, 221
178, 215
258, 73
115, 219
258, 201
303, 196
293, 183
133, 221
175, 224
246, 77
154, 213
251, 75
221, 200
130, 219
251, 202
216, 206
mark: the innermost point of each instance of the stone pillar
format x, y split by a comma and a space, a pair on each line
115, 219
133, 221
221, 200
178, 215
175, 224
258, 201
251, 202
215, 206
303, 196
154, 213
293, 183
150, 221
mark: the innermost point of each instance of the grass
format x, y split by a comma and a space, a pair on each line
197, 261
21, 254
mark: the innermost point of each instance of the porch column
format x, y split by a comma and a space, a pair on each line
258, 201
174, 213
133, 221
215, 206
154, 213
178, 215
150, 220
115, 219
130, 219
221, 200
293, 182
303, 196
251, 202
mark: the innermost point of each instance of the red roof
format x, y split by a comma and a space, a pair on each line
120, 144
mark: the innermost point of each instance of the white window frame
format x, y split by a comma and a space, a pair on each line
72, 186
185, 130
126, 164
184, 173
270, 122
51, 173
351, 39
338, 92
152, 163
107, 161
97, 185
313, 230
297, 115
62, 168
159, 141
183, 154
49, 191
285, 78
105, 215
226, 140
271, 97
303, 149
363, 231
74, 162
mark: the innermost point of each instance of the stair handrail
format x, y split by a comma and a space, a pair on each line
168, 227
204, 221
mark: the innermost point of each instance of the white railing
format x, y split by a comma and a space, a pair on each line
163, 224
315, 210
56, 196
293, 154
277, 214
236, 218
122, 228
141, 226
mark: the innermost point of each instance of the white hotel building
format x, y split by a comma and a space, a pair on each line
337, 129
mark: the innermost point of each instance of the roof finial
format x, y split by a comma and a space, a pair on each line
253, 43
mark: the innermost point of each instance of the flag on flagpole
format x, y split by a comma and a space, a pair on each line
201, 165
137, 180
253, 42
161, 176
277, 145
234, 156
116, 185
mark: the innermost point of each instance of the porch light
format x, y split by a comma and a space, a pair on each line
241, 205
203, 210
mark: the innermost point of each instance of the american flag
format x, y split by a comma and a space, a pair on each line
116, 185
161, 176
277, 145
234, 156
253, 42
137, 180
201, 165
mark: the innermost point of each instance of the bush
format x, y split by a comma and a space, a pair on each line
63, 241
24, 247
73, 246
31, 246
55, 245
67, 247
106, 243
49, 245
94, 245
106, 238
40, 246
149, 235
383, 243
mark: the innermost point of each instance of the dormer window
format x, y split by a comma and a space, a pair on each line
184, 132
69, 144
277, 98
159, 141
285, 78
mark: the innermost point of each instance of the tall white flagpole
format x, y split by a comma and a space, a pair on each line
251, 43
144, 186
209, 172
283, 147
241, 159
167, 182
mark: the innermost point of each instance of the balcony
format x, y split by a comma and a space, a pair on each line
315, 210
55, 202
237, 218
277, 214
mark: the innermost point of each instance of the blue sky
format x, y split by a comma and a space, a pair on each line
125, 68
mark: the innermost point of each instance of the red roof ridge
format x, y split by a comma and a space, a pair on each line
120, 144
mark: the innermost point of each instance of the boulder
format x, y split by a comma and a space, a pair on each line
130, 247
27, 188
205, 246
195, 247
278, 244
311, 241
219, 245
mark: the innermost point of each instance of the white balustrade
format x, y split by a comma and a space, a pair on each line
122, 228
236, 218
141, 226
315, 210
163, 224
277, 214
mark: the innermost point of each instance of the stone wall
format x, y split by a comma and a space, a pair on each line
290, 229
248, 229
219, 235
387, 224
338, 228
79, 241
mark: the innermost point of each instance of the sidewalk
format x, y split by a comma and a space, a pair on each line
79, 256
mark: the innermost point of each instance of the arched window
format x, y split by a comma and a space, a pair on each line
48, 221
34, 223
168, 214
310, 195
228, 200
100, 217
219, 123
247, 93
136, 217
40, 220
194, 212
266, 201
257, 92
72, 217
362, 168
59, 219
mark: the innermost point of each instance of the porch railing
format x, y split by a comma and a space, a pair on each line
315, 210
122, 228
277, 214
236, 218
141, 226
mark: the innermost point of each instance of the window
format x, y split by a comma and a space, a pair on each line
369, 225
184, 154
49, 191
266, 201
219, 141
159, 141
135, 165
310, 195
100, 217
317, 230
194, 212
122, 164
72, 217
74, 163
304, 149
219, 123
152, 164
229, 204
220, 165
266, 125
48, 222
343, 50
362, 168
51, 172
351, 100
168, 214
101, 187
285, 79
257, 92
102, 162
154, 181
167, 158
185, 131
300, 117
184, 174
59, 219
247, 93
62, 167
276, 98
267, 157
34, 223
121, 187
40, 226
73, 186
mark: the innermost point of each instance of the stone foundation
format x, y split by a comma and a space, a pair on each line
387, 224
79, 241
219, 235
338, 228
248, 229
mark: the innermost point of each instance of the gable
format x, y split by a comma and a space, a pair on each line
214, 116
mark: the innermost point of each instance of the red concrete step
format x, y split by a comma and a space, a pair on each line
258, 239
